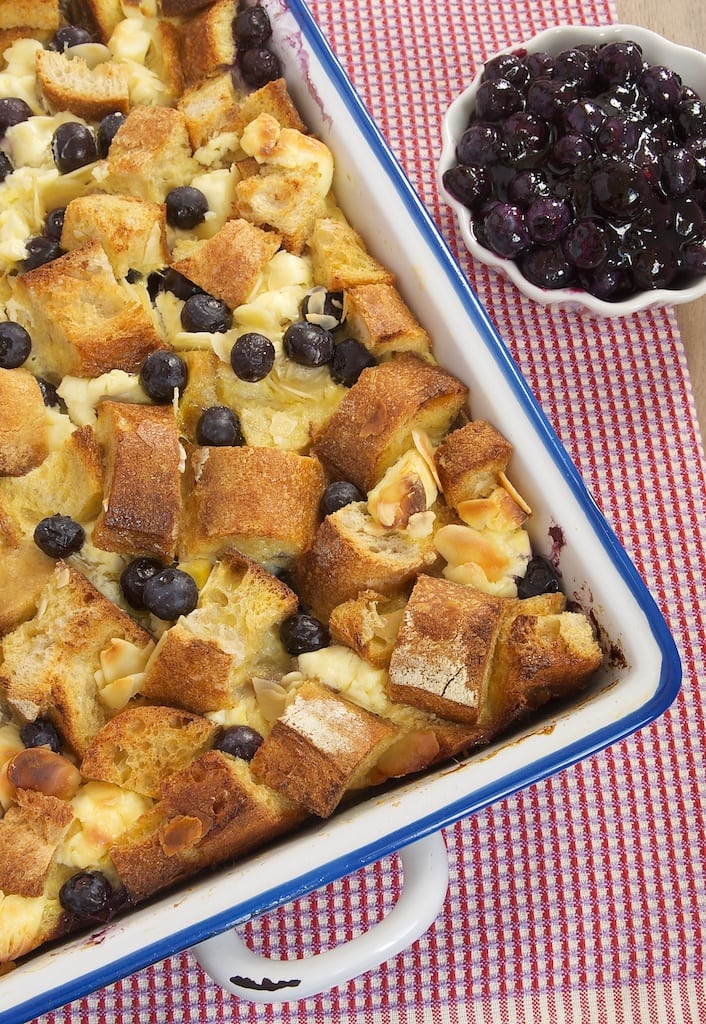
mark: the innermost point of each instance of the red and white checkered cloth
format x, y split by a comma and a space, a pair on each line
583, 898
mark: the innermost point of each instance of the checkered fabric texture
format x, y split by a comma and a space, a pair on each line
583, 898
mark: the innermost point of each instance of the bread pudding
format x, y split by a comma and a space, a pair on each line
258, 557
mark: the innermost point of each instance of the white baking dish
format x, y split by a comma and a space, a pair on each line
631, 691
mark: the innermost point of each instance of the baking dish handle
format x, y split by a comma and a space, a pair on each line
232, 964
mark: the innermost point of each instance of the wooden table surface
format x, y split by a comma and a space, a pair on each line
684, 22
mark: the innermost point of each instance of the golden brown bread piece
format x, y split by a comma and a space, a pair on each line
176, 8
351, 553
469, 460
207, 41
229, 263
142, 745
24, 570
340, 259
210, 107
330, 741
69, 83
210, 810
229, 494
443, 654
368, 624
150, 154
33, 14
202, 662
82, 320
377, 315
100, 17
142, 479
274, 99
50, 661
23, 423
201, 391
373, 425
132, 231
30, 833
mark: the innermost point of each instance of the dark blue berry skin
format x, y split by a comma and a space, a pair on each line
170, 280
5, 166
162, 373
339, 494
541, 577
471, 185
15, 345
59, 536
69, 35
186, 207
40, 733
170, 593
205, 314
252, 27
107, 130
73, 146
350, 358
219, 427
258, 66
134, 577
238, 741
308, 344
252, 357
13, 111
40, 250
496, 99
54, 223
324, 308
87, 894
301, 633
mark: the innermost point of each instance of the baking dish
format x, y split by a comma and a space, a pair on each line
642, 672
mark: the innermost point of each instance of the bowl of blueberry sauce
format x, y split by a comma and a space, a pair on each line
576, 165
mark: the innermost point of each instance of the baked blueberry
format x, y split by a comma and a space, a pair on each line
308, 344
186, 207
339, 494
69, 35
15, 344
252, 27
13, 110
40, 733
86, 894
350, 358
471, 185
50, 396
107, 130
258, 66
252, 356
40, 250
134, 577
170, 280
5, 166
59, 536
73, 146
170, 593
162, 374
301, 633
205, 314
541, 577
325, 308
54, 223
219, 427
238, 741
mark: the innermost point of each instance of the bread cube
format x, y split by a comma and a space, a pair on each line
379, 318
228, 265
262, 501
368, 624
340, 259
210, 107
24, 571
50, 662
201, 662
373, 425
351, 553
142, 479
207, 41
23, 423
82, 320
443, 655
322, 746
32, 14
69, 83
30, 833
132, 231
100, 17
150, 154
138, 748
469, 461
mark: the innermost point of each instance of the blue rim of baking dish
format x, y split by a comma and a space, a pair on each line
541, 768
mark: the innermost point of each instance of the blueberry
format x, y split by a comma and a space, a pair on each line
575, 65
170, 280
617, 136
5, 166
539, 65
471, 185
584, 116
186, 207
663, 87
547, 219
86, 894
252, 356
134, 577
13, 111
69, 35
654, 266
526, 186
238, 741
693, 258
73, 146
540, 577
619, 189
526, 135
15, 344
205, 314
170, 593
496, 99
54, 223
508, 66
325, 308
679, 171
59, 536
350, 358
481, 145
585, 244
258, 66
40, 250
547, 267
252, 27
505, 230
308, 344
162, 373
549, 98
619, 62
50, 395
301, 633
570, 152
219, 427
339, 494
40, 733
107, 130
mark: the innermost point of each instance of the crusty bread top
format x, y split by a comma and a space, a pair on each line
69, 83
150, 154
132, 231
23, 423
377, 316
469, 460
30, 832
340, 257
207, 41
32, 14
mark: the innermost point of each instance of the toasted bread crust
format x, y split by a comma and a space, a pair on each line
68, 83
23, 424
469, 460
